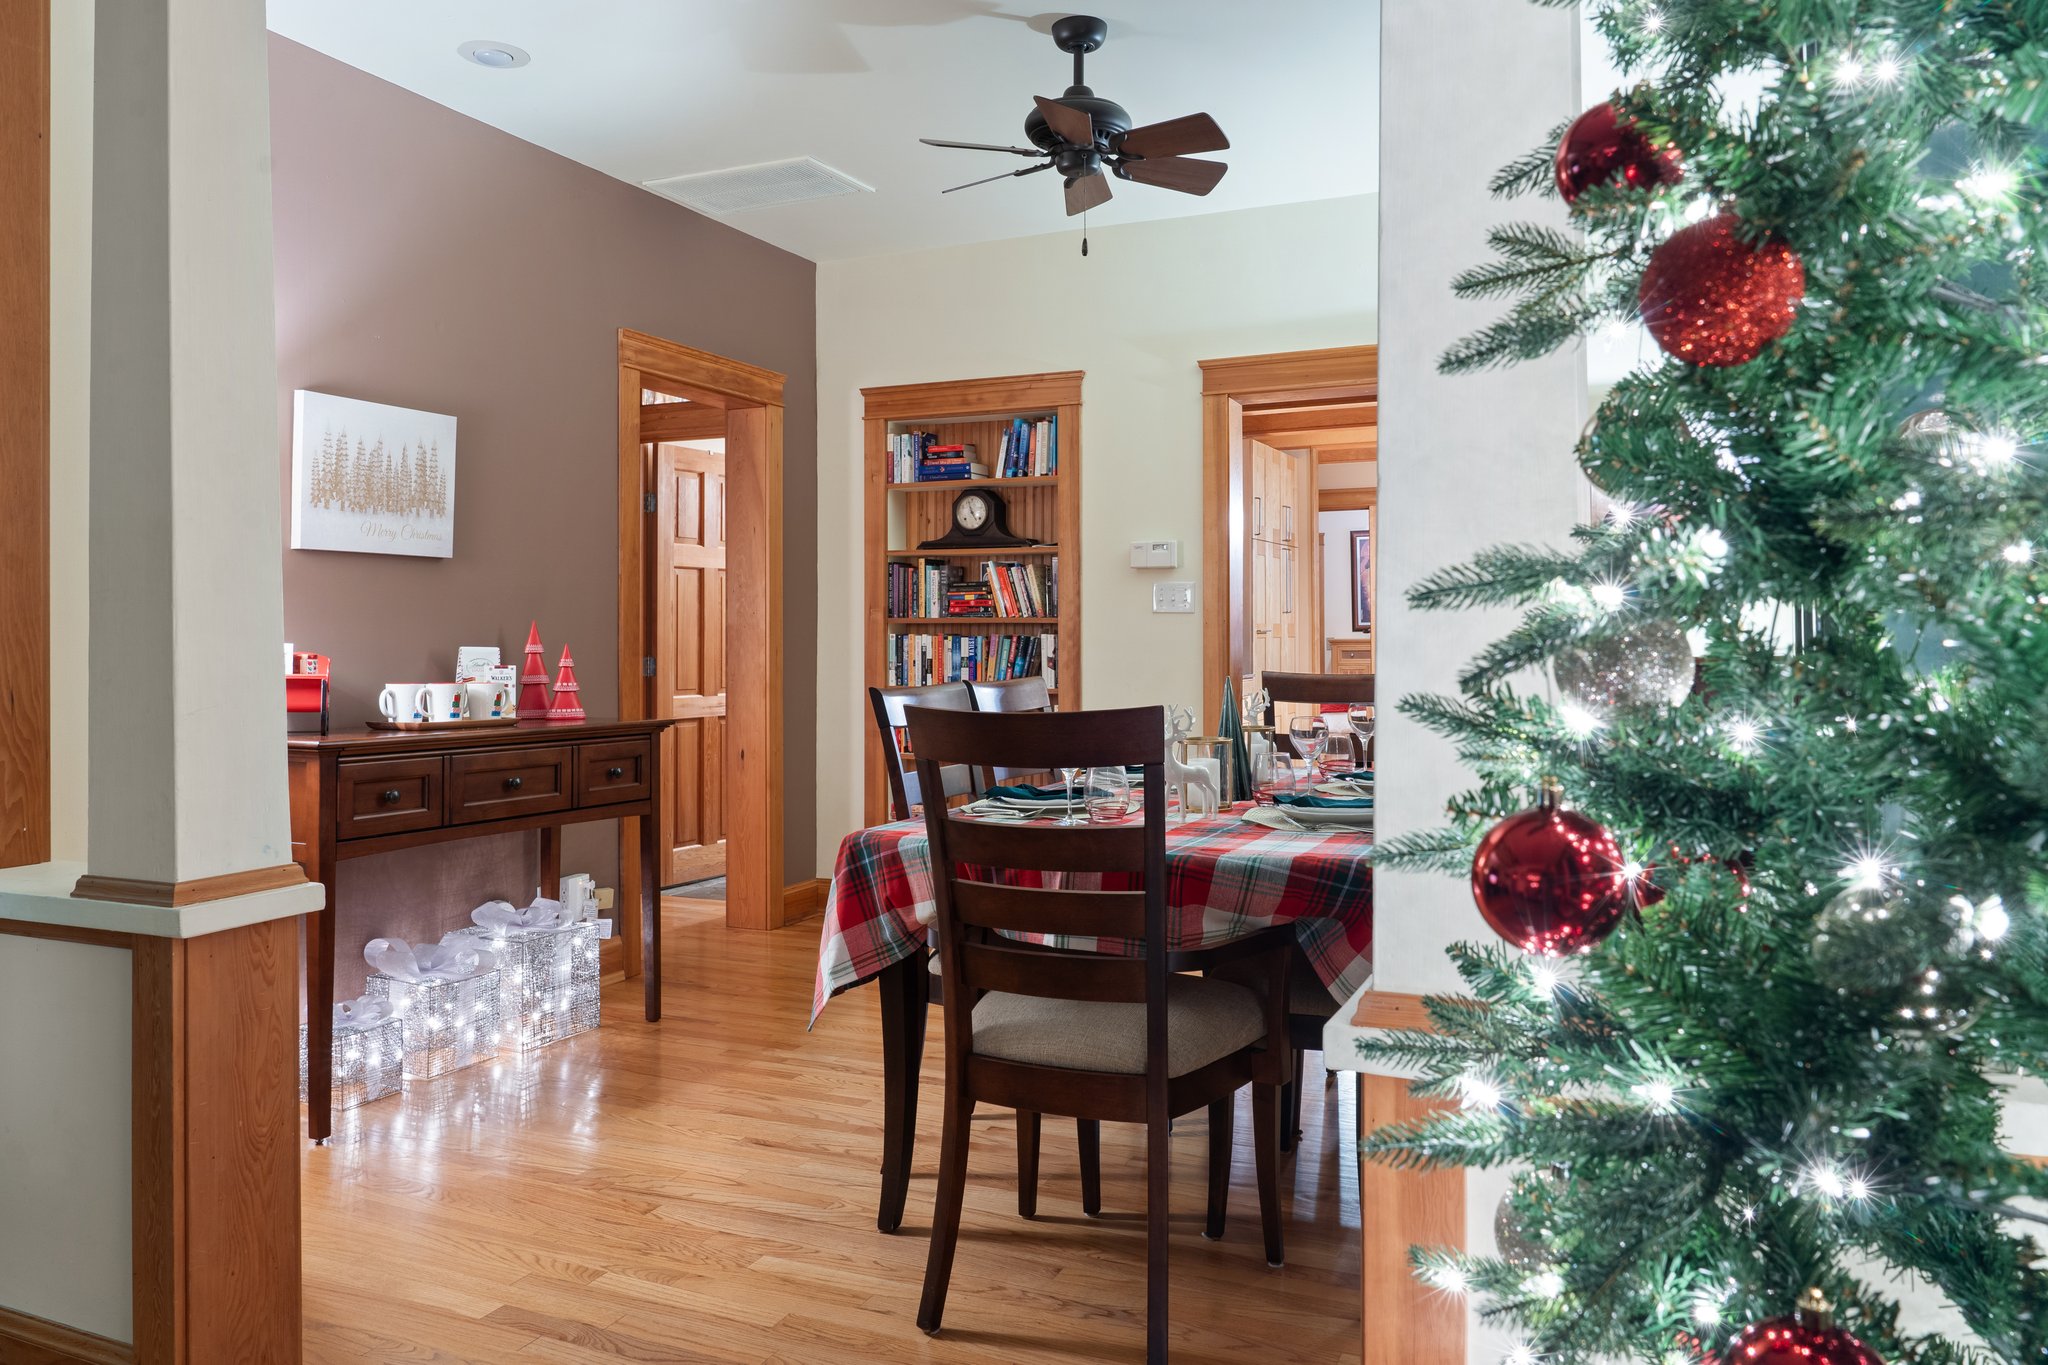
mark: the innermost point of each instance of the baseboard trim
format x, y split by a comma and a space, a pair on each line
137, 891
801, 900
1392, 1009
58, 1344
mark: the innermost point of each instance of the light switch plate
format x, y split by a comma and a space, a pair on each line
1173, 597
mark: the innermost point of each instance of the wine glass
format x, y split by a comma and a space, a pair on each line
1362, 718
1073, 815
1107, 795
1311, 735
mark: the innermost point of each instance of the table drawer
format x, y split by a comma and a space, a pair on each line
499, 784
387, 796
613, 772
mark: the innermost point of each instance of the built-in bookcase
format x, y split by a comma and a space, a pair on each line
900, 515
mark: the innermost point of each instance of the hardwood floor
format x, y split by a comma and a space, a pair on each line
704, 1190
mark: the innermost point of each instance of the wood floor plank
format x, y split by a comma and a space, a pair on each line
704, 1190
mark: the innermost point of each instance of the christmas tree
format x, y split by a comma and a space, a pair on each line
1772, 960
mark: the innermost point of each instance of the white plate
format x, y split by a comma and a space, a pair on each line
1274, 817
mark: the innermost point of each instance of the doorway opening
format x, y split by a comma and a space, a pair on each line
700, 617
1290, 506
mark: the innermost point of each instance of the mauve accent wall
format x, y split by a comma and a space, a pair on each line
430, 261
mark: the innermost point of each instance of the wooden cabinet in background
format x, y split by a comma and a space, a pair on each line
1351, 654
1281, 548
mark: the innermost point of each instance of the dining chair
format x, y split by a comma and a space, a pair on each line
1047, 1031
1011, 696
1310, 1004
908, 995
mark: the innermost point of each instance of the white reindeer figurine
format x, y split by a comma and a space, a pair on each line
1189, 777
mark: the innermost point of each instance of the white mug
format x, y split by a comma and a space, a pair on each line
443, 701
487, 700
400, 702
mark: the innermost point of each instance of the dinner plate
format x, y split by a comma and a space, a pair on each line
1357, 791
1296, 819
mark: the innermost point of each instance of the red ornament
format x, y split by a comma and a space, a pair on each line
1713, 299
533, 677
566, 705
1601, 145
1550, 881
1808, 1337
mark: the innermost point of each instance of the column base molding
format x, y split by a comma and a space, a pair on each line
26, 1337
801, 900
1393, 1010
1405, 1321
136, 891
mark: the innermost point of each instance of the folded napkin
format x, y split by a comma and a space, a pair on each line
1350, 775
427, 963
1317, 801
1025, 791
502, 917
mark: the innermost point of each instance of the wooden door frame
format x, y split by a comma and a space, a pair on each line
751, 401
1229, 386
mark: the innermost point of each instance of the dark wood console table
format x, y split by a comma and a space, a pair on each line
360, 792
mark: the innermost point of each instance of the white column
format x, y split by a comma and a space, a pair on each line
187, 773
1465, 461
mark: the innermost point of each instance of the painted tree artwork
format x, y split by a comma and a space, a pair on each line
371, 478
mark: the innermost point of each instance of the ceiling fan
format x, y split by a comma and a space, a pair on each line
1087, 138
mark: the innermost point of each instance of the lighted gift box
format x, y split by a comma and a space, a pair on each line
369, 1056
548, 978
448, 1024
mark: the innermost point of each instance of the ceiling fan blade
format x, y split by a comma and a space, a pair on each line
1071, 124
1183, 173
1006, 175
1175, 137
980, 147
1090, 191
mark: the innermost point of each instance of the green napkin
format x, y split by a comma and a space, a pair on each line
1317, 801
1024, 791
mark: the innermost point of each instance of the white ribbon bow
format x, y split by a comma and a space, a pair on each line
363, 1012
500, 917
427, 963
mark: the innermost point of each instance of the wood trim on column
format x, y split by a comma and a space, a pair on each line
1406, 1322
137, 891
215, 1169
1392, 1009
25, 433
42, 1342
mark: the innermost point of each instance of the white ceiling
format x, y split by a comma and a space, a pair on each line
644, 89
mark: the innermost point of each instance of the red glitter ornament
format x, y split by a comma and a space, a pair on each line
1808, 1337
1713, 299
1550, 881
1601, 145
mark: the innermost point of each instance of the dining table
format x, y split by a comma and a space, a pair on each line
1227, 877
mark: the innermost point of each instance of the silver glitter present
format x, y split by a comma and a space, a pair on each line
548, 980
448, 1024
367, 1062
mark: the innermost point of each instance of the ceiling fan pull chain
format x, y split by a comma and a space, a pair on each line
1084, 234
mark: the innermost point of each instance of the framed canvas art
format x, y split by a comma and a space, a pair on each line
371, 478
1361, 580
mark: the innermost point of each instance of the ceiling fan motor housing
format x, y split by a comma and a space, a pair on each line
1112, 121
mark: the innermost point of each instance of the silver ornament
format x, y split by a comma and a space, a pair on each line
1644, 666
1513, 1242
1865, 941
1934, 1004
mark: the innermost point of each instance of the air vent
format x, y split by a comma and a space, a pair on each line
721, 193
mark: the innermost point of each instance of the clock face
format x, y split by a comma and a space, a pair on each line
971, 512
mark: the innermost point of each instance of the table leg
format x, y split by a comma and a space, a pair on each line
650, 914
905, 991
551, 862
319, 932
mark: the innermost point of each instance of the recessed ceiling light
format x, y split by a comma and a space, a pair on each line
497, 56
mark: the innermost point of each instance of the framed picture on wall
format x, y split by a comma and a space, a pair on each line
1361, 578
371, 478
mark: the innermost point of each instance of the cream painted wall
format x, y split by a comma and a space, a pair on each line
71, 26
1149, 301
64, 1009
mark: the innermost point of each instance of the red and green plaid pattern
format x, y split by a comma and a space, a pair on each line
1225, 878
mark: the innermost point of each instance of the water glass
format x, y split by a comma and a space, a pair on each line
1311, 736
1108, 795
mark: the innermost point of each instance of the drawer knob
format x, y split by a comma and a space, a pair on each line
390, 797
614, 772
513, 784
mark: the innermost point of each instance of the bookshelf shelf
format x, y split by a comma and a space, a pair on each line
1044, 507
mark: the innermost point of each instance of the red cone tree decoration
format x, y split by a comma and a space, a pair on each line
566, 706
533, 677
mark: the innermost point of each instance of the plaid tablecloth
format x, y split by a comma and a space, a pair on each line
1225, 878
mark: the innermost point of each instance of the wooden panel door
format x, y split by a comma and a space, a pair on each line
690, 658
